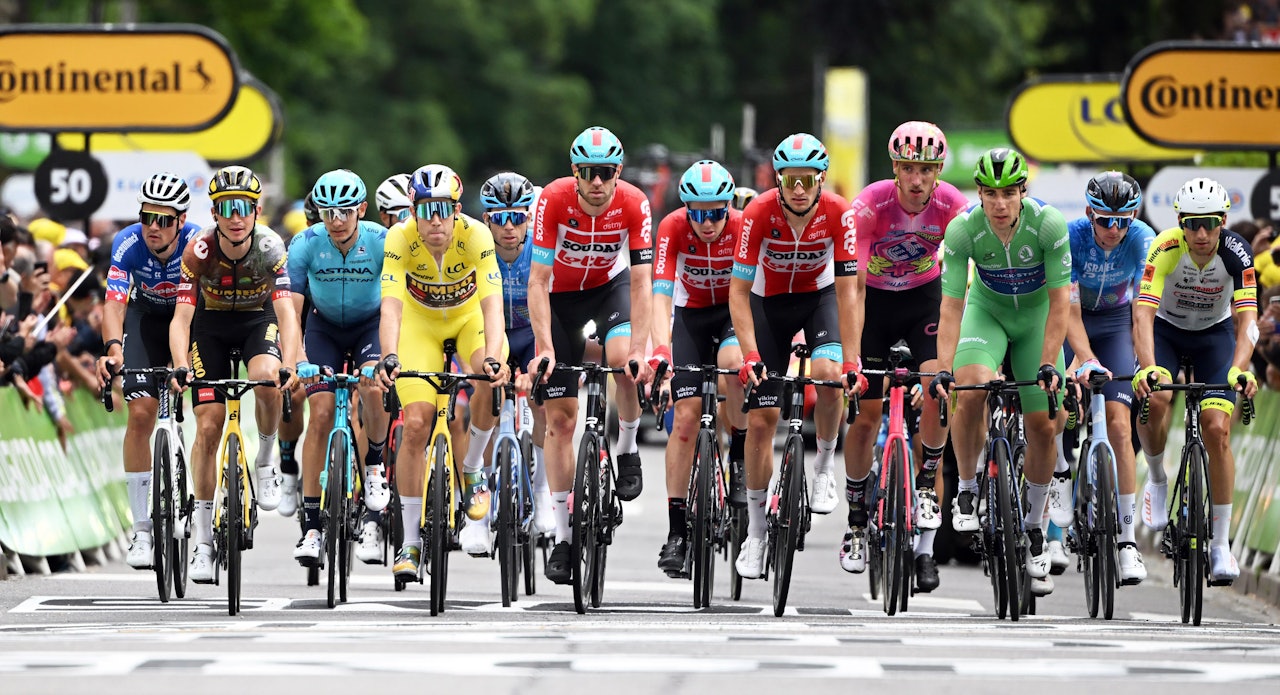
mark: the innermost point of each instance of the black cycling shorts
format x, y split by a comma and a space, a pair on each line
777, 319
696, 338
609, 305
146, 345
215, 333
910, 315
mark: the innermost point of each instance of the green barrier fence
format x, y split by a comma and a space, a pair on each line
54, 502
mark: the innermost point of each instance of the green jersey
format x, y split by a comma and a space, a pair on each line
1013, 275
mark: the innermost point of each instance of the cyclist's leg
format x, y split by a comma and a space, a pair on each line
261, 351
921, 335
367, 350
613, 321
422, 351
146, 345
1213, 350
1111, 337
1155, 432
979, 354
880, 330
1026, 340
210, 358
822, 332
471, 343
731, 415
570, 312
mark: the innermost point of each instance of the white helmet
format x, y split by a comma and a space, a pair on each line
393, 194
1201, 197
165, 189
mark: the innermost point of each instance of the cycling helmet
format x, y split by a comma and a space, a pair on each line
310, 210
1112, 191
800, 150
435, 181
235, 180
168, 190
1201, 197
506, 190
1000, 168
393, 194
742, 196
340, 188
706, 182
596, 145
918, 141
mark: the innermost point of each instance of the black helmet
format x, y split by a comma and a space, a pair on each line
506, 190
310, 210
1112, 191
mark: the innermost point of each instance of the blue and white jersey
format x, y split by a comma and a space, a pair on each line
345, 290
515, 286
138, 277
1108, 279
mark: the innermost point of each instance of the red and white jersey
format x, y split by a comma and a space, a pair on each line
899, 250
778, 261
691, 271
585, 251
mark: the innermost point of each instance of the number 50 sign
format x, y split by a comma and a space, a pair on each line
70, 185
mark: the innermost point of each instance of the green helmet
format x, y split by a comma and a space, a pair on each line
999, 168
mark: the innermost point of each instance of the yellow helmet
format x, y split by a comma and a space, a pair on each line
235, 180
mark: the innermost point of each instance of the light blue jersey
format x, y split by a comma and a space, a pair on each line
1108, 279
345, 290
515, 286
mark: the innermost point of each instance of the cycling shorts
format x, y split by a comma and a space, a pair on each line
777, 319
422, 349
520, 345
215, 333
697, 337
910, 315
609, 305
146, 345
1111, 337
987, 334
327, 345
1210, 350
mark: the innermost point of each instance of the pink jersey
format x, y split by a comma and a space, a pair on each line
694, 273
584, 251
778, 262
899, 250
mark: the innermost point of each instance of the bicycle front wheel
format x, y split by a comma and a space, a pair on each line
233, 523
182, 509
583, 521
528, 541
737, 536
1106, 568
1010, 530
441, 514
1195, 538
788, 520
162, 515
703, 511
1086, 532
892, 531
334, 511
608, 515
507, 536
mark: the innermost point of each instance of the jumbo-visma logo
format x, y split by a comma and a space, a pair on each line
85, 79
1193, 94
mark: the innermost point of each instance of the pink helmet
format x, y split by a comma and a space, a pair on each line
918, 141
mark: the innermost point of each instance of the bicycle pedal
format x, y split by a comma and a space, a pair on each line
1221, 582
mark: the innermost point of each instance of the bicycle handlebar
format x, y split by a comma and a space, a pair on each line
286, 411
758, 368
942, 402
539, 390
1003, 386
1247, 411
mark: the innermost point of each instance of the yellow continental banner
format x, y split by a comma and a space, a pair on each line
253, 125
1205, 94
87, 78
845, 133
1078, 119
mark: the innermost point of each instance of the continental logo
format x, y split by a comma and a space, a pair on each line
72, 78
442, 295
1205, 95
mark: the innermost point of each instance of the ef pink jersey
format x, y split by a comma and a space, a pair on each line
694, 273
778, 261
899, 250
585, 251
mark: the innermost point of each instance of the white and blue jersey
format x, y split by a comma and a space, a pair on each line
345, 290
139, 278
515, 286
1108, 279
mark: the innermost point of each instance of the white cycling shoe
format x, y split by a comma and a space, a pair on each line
201, 570
288, 495
475, 538
1223, 569
853, 551
1061, 511
369, 549
1058, 560
308, 550
964, 512
141, 550
376, 492
269, 489
1132, 569
928, 513
750, 564
822, 495
544, 519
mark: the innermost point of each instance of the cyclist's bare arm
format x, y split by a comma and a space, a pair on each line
660, 328
1055, 332
1246, 336
641, 313
849, 293
540, 312
389, 333
180, 335
494, 335
949, 313
1077, 338
740, 314
299, 301
112, 329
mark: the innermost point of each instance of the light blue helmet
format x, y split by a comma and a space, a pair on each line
339, 188
596, 145
706, 182
800, 150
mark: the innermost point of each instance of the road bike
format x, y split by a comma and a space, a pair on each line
341, 487
171, 502
1187, 537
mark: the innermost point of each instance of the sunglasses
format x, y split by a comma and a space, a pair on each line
1109, 222
400, 215
712, 215
428, 209
159, 219
502, 218
231, 208
806, 181
590, 172
337, 214
1205, 222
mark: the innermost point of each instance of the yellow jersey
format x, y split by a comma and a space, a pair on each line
466, 273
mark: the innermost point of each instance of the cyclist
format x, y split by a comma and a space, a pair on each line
1018, 306
579, 273
392, 197
1198, 276
291, 432
439, 281
338, 266
900, 223
234, 293
507, 199
795, 268
692, 267
1109, 248
142, 287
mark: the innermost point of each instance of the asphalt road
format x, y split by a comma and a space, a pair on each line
107, 625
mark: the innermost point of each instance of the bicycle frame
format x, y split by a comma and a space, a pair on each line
343, 384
